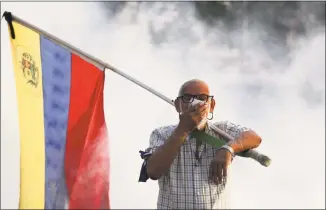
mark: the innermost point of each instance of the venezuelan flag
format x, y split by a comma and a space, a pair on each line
63, 138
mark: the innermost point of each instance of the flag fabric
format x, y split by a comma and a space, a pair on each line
64, 161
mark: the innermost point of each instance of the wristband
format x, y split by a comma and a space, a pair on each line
230, 149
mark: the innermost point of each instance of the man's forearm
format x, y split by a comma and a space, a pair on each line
246, 140
160, 161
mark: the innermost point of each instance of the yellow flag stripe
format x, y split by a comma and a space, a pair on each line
28, 74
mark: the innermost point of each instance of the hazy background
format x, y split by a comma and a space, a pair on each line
262, 77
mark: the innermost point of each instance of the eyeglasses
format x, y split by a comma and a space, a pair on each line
188, 98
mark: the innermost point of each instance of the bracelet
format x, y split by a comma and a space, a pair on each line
230, 149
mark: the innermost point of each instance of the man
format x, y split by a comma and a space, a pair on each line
192, 174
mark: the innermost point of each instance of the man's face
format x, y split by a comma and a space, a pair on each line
191, 91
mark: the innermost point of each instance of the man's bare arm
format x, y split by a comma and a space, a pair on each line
160, 161
245, 141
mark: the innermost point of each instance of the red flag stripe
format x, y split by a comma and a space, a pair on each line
86, 157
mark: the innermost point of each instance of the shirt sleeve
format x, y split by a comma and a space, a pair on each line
155, 141
230, 128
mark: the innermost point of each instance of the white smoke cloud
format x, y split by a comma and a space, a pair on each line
283, 100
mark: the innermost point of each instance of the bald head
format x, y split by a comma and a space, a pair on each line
194, 87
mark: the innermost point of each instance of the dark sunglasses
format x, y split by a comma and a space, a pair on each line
188, 98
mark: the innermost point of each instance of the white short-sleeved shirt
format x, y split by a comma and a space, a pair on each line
186, 184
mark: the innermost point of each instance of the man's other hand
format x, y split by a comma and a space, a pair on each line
219, 165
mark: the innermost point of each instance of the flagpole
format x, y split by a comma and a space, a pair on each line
262, 159
97, 62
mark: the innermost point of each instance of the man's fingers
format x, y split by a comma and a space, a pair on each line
219, 172
213, 173
200, 111
195, 109
199, 107
203, 108
225, 170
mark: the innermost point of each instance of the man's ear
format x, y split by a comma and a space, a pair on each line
212, 105
177, 105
